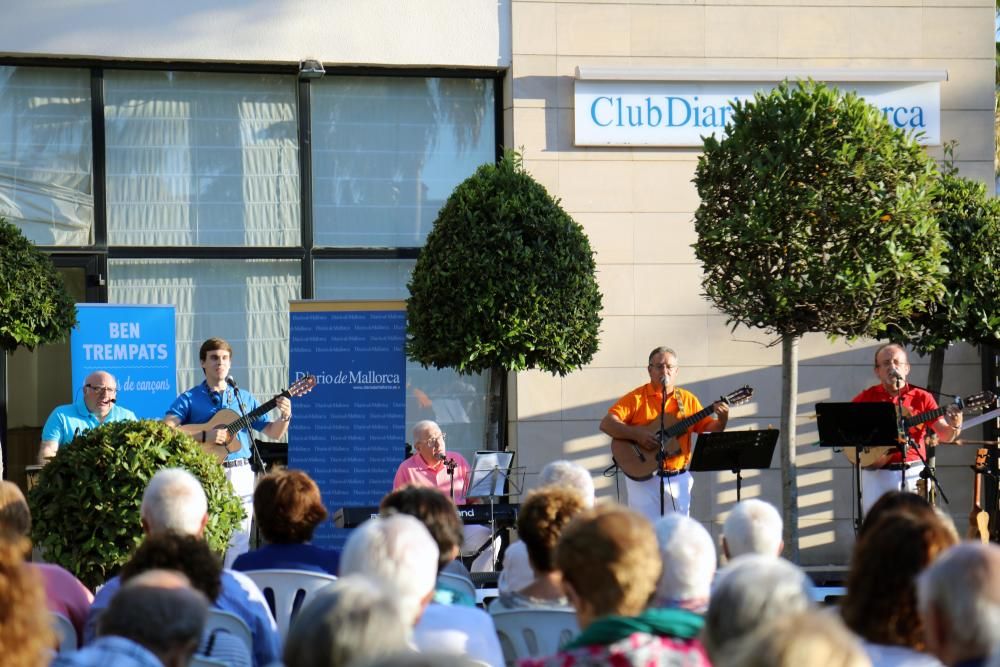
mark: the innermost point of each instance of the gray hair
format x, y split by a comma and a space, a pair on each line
751, 591
963, 585
662, 349
569, 474
812, 637
688, 555
174, 500
399, 552
421, 426
160, 619
351, 619
752, 527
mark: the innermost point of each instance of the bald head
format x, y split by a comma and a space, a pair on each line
100, 391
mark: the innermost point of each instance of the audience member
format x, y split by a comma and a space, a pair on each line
351, 619
411, 659
881, 601
544, 514
750, 592
811, 637
689, 562
752, 527
287, 507
145, 626
64, 593
26, 635
440, 516
175, 501
190, 563
516, 572
610, 564
959, 602
893, 502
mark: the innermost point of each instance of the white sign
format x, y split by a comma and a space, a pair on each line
660, 113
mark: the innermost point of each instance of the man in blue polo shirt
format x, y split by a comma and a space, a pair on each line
96, 405
193, 413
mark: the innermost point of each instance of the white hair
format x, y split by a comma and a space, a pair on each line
421, 426
398, 552
174, 500
688, 555
570, 474
963, 585
752, 591
753, 527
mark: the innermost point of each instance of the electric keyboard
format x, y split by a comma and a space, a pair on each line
505, 513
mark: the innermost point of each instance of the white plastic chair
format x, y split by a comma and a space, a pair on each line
533, 633
202, 661
287, 590
66, 632
457, 583
232, 623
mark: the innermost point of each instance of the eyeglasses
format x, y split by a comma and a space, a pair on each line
664, 367
101, 390
434, 438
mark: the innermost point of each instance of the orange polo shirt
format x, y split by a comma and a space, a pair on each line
641, 406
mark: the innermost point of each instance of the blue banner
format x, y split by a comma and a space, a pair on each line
350, 435
137, 345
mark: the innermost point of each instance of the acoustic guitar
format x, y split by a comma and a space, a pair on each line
979, 519
871, 457
234, 423
640, 464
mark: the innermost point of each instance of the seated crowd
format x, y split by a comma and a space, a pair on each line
627, 592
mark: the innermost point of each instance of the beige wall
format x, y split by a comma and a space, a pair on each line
637, 204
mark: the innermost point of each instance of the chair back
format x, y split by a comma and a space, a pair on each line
231, 623
533, 633
65, 632
457, 583
287, 590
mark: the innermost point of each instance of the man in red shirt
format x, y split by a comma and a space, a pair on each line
891, 367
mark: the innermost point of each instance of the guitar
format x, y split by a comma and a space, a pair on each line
871, 457
979, 519
639, 464
234, 423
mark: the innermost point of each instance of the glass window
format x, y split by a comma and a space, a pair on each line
457, 403
242, 301
387, 152
202, 159
46, 176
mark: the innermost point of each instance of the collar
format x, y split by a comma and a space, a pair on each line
679, 623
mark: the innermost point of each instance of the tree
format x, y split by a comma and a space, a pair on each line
816, 216
505, 281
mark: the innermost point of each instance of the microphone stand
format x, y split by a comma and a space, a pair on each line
450, 465
256, 462
904, 436
929, 472
661, 455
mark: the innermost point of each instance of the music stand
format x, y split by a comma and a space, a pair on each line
491, 473
857, 425
734, 450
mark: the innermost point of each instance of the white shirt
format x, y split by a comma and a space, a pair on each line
459, 630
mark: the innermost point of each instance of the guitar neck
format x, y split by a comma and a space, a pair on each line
923, 417
247, 419
683, 425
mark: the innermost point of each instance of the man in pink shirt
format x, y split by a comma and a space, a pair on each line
434, 466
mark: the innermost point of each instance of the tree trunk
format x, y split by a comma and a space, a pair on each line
935, 372
494, 407
789, 473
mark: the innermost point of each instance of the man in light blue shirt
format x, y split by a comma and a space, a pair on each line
96, 406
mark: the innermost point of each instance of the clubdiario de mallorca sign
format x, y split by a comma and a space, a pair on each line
619, 107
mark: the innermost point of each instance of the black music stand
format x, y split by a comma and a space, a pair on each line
736, 451
857, 425
493, 477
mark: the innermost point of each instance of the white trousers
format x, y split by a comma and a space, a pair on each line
644, 497
242, 479
475, 536
875, 483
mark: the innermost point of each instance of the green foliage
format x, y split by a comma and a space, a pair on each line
34, 305
970, 308
85, 506
506, 280
817, 216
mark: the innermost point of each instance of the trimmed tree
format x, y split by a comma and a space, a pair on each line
505, 281
816, 215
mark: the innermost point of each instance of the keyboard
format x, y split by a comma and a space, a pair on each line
505, 513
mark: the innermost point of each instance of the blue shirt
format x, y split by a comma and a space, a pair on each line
66, 420
199, 404
238, 595
289, 557
108, 650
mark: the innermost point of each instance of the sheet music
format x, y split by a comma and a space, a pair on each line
484, 482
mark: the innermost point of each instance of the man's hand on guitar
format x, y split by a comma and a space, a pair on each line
721, 409
284, 407
217, 436
648, 441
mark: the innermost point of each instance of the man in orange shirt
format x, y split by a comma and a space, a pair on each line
630, 417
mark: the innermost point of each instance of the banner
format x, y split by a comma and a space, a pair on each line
350, 435
137, 345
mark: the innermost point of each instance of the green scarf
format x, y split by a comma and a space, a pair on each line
679, 623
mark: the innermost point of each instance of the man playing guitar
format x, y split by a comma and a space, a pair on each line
891, 367
630, 417
192, 413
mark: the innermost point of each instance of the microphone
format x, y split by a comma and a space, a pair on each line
895, 375
440, 457
113, 400
231, 382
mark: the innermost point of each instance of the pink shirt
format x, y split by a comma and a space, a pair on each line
415, 470
65, 594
